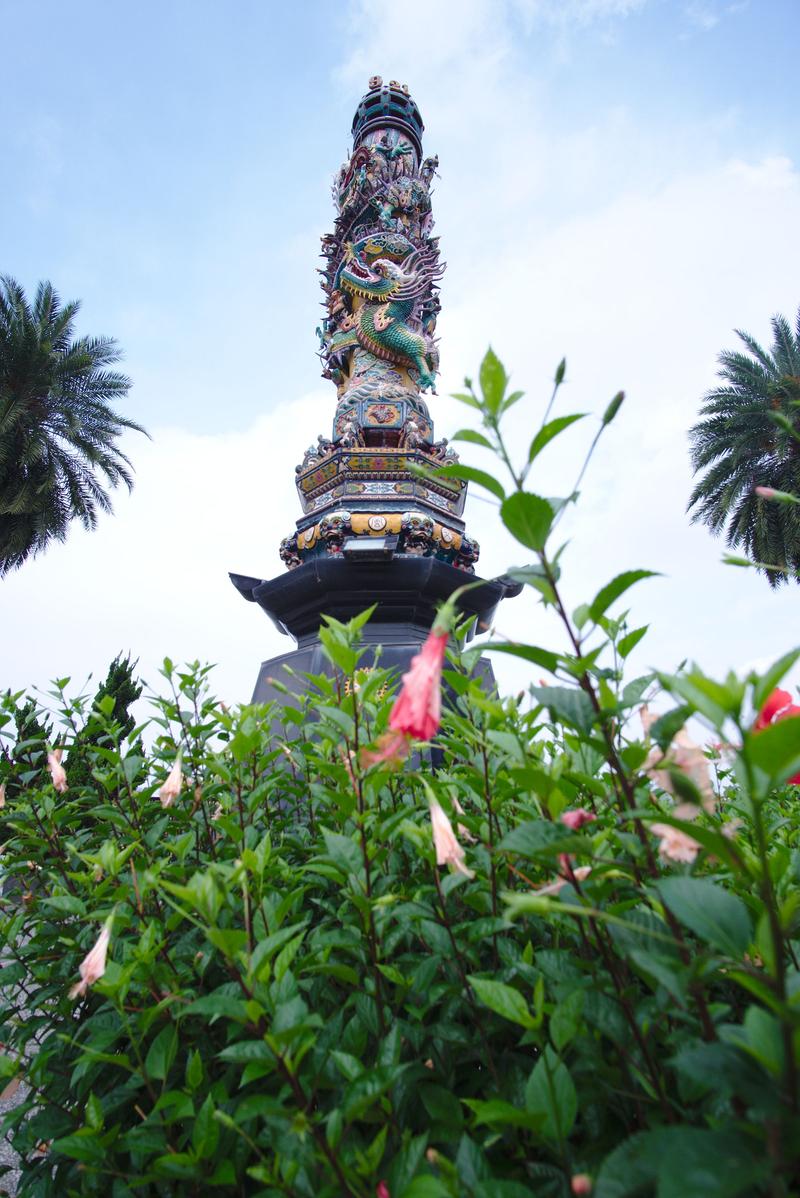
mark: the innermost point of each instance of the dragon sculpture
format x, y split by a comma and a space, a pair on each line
386, 278
381, 479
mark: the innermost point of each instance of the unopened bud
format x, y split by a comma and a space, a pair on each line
581, 1183
776, 496
613, 408
561, 370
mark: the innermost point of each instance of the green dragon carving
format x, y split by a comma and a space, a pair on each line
390, 277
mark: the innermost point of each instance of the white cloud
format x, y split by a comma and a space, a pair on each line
634, 258
702, 16
153, 580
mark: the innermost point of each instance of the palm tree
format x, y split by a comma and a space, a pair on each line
57, 430
750, 436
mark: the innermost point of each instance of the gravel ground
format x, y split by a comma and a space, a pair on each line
8, 1181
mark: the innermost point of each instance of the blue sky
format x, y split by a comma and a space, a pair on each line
619, 183
170, 162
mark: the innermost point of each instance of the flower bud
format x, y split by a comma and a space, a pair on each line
580, 1183
613, 408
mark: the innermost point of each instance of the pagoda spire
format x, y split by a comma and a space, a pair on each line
373, 477
381, 524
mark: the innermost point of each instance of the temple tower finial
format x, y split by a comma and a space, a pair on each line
377, 345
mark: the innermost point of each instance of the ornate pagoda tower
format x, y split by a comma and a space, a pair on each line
380, 523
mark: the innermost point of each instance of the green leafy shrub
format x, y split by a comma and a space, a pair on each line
602, 993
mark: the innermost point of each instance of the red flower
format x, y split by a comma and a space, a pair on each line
382, 1190
577, 818
777, 707
417, 711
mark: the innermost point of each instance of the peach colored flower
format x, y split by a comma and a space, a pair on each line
347, 761
462, 831
169, 790
57, 771
391, 748
647, 717
683, 754
417, 710
581, 1183
578, 875
674, 844
448, 850
93, 965
577, 818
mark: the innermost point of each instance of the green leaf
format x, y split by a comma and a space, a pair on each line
776, 749
462, 397
683, 1162
666, 727
629, 642
84, 1145
550, 1093
770, 678
162, 1052
194, 1070
567, 704
534, 576
343, 721
714, 915
442, 1105
65, 904
539, 657
469, 434
344, 851
541, 838
426, 1186
245, 1051
503, 1114
613, 408
549, 431
510, 400
713, 700
493, 380
502, 999
205, 1132
566, 1019
607, 594
471, 474
528, 518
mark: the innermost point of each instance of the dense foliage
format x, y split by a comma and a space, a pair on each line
58, 431
288, 994
748, 438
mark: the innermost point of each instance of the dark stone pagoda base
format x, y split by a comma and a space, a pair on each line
406, 590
